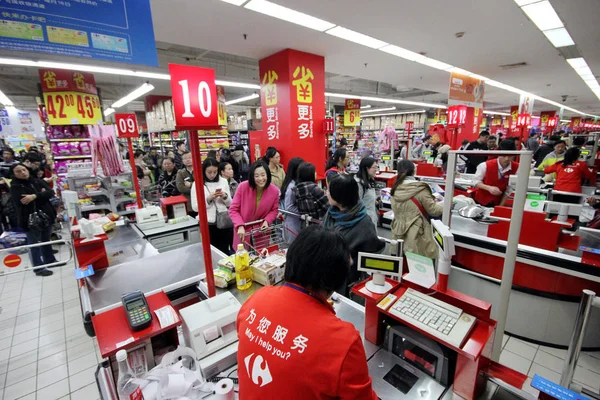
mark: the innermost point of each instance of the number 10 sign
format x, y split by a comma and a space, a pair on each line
194, 96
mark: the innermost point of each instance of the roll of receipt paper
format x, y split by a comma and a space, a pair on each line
224, 390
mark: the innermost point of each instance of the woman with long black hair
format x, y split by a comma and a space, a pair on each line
367, 170
337, 164
288, 199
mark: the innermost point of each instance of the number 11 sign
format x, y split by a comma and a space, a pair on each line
194, 96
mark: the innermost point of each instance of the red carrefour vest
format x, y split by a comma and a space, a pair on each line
491, 178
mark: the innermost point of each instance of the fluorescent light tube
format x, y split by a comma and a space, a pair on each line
237, 84
542, 14
5, 100
342, 96
400, 52
235, 2
384, 100
142, 90
242, 99
378, 110
153, 75
430, 62
356, 37
289, 15
23, 63
559, 37
565, 120
460, 71
365, 107
109, 111
577, 62
496, 113
522, 3
395, 113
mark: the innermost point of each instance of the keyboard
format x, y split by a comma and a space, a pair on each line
439, 319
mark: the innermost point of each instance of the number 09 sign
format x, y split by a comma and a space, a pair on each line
127, 126
194, 97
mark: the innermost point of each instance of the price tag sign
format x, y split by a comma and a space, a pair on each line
552, 122
72, 108
457, 116
194, 97
127, 126
351, 117
523, 120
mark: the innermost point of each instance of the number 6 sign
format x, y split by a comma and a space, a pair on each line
194, 96
126, 126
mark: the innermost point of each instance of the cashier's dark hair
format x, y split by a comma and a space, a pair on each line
210, 162
571, 156
405, 168
318, 259
258, 164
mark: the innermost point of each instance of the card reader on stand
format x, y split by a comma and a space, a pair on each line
381, 265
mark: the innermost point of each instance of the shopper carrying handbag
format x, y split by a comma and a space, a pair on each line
218, 200
35, 214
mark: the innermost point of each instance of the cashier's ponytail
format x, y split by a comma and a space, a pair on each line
571, 156
405, 168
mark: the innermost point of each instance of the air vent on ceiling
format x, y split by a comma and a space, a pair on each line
513, 66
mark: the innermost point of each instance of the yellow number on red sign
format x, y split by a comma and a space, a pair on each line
68, 108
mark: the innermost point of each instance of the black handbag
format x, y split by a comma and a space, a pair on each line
38, 221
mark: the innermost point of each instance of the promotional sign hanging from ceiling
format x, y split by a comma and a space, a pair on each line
526, 104
466, 90
113, 30
70, 97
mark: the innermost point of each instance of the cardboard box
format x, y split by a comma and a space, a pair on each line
271, 270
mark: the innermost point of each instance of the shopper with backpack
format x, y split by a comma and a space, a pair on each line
310, 199
241, 158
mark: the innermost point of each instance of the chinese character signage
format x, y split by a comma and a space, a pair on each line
545, 118
352, 112
293, 105
113, 30
466, 90
70, 97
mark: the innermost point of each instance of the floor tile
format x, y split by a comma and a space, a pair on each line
51, 302
82, 379
52, 338
6, 315
25, 336
54, 391
23, 348
27, 326
47, 363
52, 349
20, 389
505, 340
32, 316
527, 387
48, 319
20, 374
515, 361
4, 354
549, 361
52, 327
51, 310
7, 332
51, 376
77, 340
30, 301
6, 343
587, 377
22, 360
83, 362
521, 348
90, 392
544, 372
80, 350
589, 362
75, 329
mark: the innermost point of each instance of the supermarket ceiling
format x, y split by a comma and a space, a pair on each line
496, 33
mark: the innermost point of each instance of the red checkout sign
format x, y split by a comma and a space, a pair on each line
127, 126
194, 97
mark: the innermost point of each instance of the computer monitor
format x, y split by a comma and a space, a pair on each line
379, 265
443, 238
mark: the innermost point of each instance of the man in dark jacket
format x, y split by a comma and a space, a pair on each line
544, 150
348, 215
30, 195
154, 162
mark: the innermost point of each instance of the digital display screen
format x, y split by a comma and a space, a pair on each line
427, 152
134, 305
438, 238
585, 152
382, 265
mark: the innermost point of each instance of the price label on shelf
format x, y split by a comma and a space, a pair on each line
523, 120
194, 96
351, 117
72, 108
127, 126
457, 116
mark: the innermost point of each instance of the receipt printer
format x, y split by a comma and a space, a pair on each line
149, 217
209, 326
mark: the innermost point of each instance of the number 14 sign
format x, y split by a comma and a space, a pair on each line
194, 96
457, 116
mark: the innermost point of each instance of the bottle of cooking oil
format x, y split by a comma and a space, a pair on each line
243, 273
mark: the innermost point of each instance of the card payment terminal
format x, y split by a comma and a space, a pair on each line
137, 310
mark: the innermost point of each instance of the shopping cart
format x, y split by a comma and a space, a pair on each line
305, 220
151, 194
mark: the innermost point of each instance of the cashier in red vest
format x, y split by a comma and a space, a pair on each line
291, 344
491, 177
570, 172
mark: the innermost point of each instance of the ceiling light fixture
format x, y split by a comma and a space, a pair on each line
559, 37
460, 71
235, 2
289, 15
490, 112
542, 14
522, 3
356, 37
384, 100
395, 113
242, 99
142, 90
5, 100
109, 111
365, 107
565, 120
378, 110
238, 84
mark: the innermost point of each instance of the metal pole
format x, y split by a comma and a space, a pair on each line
203, 218
512, 245
136, 183
449, 189
583, 315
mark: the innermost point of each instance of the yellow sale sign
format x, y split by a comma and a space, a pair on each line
72, 108
351, 117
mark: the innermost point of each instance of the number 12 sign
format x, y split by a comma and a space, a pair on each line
194, 96
127, 126
457, 116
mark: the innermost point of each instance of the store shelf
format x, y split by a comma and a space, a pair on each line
214, 137
71, 140
69, 157
94, 193
126, 212
95, 207
119, 200
168, 130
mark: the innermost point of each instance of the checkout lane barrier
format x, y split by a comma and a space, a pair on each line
13, 261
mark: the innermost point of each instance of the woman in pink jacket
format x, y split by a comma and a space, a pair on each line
255, 199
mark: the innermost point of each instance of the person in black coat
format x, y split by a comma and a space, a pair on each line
28, 195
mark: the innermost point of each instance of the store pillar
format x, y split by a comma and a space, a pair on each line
293, 106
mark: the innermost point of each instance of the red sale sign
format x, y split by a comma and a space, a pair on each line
457, 116
552, 122
127, 126
523, 120
194, 97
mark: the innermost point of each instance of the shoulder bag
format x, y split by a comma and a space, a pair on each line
222, 220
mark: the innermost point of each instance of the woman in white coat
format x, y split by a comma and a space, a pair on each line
218, 200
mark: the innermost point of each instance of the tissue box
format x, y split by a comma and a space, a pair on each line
271, 270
